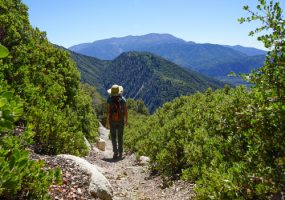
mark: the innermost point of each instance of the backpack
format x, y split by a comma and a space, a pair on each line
117, 113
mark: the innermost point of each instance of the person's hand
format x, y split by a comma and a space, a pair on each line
126, 122
108, 125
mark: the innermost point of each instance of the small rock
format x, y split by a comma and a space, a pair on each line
101, 144
144, 160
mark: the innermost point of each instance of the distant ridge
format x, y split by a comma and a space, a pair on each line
248, 50
109, 49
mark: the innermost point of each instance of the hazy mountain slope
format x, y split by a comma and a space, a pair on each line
248, 50
225, 67
190, 56
111, 48
153, 79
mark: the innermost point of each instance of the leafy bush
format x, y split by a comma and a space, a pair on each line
17, 172
48, 81
134, 131
231, 141
137, 106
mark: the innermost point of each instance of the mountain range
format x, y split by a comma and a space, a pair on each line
109, 49
143, 75
211, 59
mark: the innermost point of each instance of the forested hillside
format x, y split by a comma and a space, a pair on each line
210, 59
144, 76
190, 56
153, 79
236, 65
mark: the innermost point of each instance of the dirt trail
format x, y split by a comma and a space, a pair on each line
130, 180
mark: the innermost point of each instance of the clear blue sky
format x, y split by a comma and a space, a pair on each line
71, 22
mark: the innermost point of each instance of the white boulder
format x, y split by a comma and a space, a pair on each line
99, 185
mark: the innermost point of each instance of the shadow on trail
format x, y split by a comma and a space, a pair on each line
113, 160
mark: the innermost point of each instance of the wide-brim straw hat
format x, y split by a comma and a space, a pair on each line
115, 90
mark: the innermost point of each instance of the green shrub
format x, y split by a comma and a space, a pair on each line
48, 81
231, 141
17, 172
131, 138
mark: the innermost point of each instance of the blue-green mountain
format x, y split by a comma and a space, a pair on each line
250, 51
143, 75
210, 59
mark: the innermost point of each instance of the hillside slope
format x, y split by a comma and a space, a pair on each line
250, 51
144, 76
155, 80
190, 56
225, 67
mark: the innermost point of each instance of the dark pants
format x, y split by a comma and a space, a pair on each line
114, 126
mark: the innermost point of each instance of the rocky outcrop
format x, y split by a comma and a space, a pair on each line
99, 185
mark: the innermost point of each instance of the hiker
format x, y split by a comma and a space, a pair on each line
116, 111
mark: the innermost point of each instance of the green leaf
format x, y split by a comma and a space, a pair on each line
18, 112
12, 162
17, 99
1, 160
7, 112
5, 175
7, 125
3, 51
25, 154
3, 102
7, 95
13, 103
10, 184
23, 163
17, 154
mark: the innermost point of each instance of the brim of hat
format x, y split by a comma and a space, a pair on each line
117, 93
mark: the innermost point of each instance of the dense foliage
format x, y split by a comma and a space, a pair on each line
231, 141
91, 69
18, 174
48, 81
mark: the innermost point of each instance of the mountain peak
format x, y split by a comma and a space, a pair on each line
116, 45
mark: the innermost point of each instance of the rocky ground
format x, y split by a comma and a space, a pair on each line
129, 178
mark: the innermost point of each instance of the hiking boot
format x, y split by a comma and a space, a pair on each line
120, 154
115, 155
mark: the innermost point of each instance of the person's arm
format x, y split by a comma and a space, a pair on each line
126, 113
108, 116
